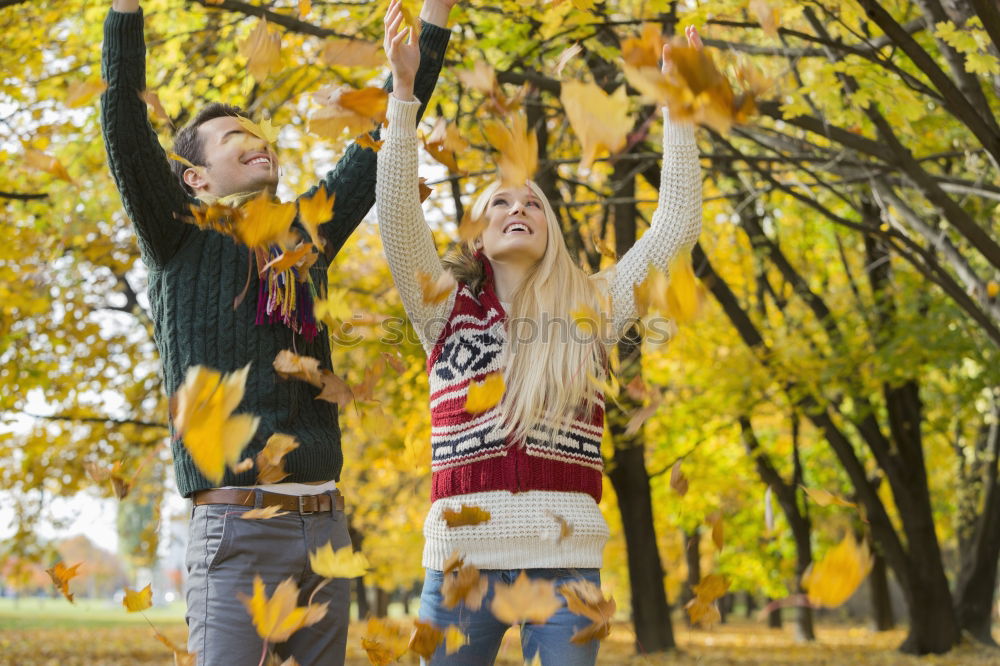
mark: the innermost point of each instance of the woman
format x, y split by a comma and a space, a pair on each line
533, 461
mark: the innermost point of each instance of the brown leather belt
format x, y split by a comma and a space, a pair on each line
303, 504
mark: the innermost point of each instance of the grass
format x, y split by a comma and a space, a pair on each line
36, 632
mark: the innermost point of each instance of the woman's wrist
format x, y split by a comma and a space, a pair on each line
402, 92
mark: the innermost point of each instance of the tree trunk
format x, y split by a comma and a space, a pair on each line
774, 616
977, 577
751, 604
650, 611
361, 596
692, 556
882, 615
381, 602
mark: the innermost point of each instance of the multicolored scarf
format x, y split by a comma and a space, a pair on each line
285, 296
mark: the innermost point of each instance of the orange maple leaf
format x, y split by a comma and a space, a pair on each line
61, 575
467, 515
527, 600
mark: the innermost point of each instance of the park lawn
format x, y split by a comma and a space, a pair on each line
740, 644
34, 612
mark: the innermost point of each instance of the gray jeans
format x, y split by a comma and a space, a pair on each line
225, 552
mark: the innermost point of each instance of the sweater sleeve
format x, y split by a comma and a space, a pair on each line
352, 181
406, 239
152, 197
676, 222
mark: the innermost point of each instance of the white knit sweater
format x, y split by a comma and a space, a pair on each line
524, 529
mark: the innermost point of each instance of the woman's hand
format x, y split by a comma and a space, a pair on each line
694, 41
403, 52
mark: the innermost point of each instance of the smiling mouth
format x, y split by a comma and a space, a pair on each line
517, 228
259, 160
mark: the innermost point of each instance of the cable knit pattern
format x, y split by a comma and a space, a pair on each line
195, 275
524, 487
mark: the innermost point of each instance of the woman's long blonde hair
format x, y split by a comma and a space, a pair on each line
549, 362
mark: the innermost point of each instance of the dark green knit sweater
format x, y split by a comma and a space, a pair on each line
194, 275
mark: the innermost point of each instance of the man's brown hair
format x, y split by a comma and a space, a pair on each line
189, 144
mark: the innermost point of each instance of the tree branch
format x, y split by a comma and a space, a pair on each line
22, 196
284, 20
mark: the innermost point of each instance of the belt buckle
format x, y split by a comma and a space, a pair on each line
302, 510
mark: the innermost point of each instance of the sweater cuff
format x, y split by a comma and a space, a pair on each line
402, 117
675, 133
123, 31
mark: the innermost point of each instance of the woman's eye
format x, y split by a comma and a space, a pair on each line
498, 202
534, 203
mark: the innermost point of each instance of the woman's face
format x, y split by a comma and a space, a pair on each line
516, 230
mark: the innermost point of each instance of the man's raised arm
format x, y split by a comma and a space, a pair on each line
152, 196
353, 179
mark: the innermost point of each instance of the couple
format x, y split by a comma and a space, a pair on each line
531, 461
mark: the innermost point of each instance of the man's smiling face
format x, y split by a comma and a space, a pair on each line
235, 160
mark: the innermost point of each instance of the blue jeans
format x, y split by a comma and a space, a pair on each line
550, 640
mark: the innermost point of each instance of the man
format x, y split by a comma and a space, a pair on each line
195, 276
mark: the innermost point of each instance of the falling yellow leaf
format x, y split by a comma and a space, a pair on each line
568, 54
290, 365
423, 189
181, 656
436, 291
651, 293
463, 584
61, 575
365, 140
204, 404
384, 642
301, 255
244, 465
333, 307
701, 609
565, 527
314, 211
684, 295
454, 639
678, 481
641, 415
766, 15
152, 100
831, 581
138, 601
265, 222
586, 599
425, 638
341, 563
715, 520
351, 53
467, 515
38, 160
587, 320
80, 93
526, 600
601, 121
342, 107
263, 130
305, 6
279, 617
518, 149
470, 229
826, 498
444, 143
485, 394
263, 513
992, 289
411, 22
183, 160
262, 49
271, 459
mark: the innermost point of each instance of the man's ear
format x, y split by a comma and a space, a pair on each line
195, 178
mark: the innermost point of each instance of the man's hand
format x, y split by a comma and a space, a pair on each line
403, 52
436, 12
129, 6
